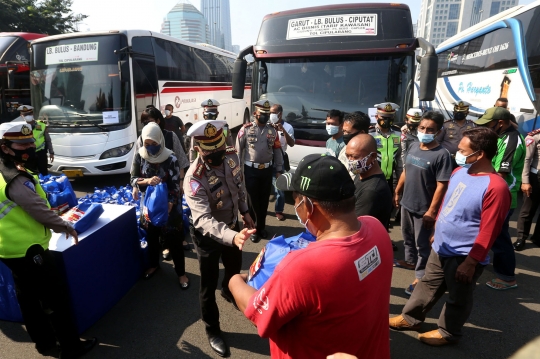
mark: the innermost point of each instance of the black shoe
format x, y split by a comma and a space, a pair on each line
218, 345
150, 275
255, 238
229, 298
535, 241
519, 245
264, 234
50, 349
394, 247
85, 347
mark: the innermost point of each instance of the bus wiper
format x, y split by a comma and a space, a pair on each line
90, 124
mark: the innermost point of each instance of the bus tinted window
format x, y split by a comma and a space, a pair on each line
492, 51
142, 44
531, 28
204, 63
174, 61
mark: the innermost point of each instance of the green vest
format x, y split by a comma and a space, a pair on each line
18, 230
387, 148
39, 135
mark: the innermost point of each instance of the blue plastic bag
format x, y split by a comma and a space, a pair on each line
84, 215
156, 205
272, 254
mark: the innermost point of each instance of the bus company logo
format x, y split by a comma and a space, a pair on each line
179, 101
475, 90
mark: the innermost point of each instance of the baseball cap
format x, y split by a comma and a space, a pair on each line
18, 132
320, 177
493, 113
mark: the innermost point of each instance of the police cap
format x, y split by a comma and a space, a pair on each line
461, 106
25, 109
18, 132
263, 106
210, 103
208, 134
414, 115
387, 109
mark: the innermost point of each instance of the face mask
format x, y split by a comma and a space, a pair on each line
360, 166
27, 155
347, 138
210, 115
167, 112
263, 118
462, 159
458, 116
332, 130
425, 137
386, 123
29, 118
299, 219
274, 118
153, 150
412, 127
215, 159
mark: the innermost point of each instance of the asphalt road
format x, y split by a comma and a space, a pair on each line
158, 320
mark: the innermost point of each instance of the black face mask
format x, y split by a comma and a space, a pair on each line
215, 159
412, 127
458, 116
23, 156
263, 118
385, 123
347, 138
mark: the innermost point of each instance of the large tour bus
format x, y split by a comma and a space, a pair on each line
14, 68
92, 87
345, 57
498, 57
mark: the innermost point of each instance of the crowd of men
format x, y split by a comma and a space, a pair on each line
452, 185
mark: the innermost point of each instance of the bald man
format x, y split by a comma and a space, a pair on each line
373, 196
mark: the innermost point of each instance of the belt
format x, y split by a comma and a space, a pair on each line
534, 170
232, 225
258, 165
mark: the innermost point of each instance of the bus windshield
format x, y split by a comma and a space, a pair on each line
76, 82
5, 42
308, 88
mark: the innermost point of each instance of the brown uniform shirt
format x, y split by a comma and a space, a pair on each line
452, 133
259, 145
215, 195
532, 155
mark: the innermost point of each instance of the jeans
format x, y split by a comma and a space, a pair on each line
280, 195
504, 257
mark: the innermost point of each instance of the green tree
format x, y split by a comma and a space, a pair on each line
40, 16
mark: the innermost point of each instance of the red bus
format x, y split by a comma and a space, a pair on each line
14, 72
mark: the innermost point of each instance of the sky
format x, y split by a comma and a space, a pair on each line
246, 15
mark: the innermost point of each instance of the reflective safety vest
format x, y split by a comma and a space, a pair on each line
39, 135
387, 148
18, 230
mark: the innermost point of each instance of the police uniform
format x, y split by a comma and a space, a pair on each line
531, 170
25, 223
43, 140
452, 132
408, 136
215, 195
259, 149
210, 112
388, 143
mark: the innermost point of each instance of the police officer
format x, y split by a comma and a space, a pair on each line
25, 223
43, 140
215, 192
210, 112
388, 139
452, 130
259, 149
409, 132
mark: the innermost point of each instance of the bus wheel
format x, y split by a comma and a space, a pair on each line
246, 117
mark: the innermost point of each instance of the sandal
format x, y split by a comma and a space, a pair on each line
280, 216
402, 264
500, 284
184, 285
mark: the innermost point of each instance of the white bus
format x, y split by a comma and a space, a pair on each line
92, 87
498, 57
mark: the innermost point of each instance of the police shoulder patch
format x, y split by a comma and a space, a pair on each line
30, 185
195, 186
529, 141
230, 149
532, 133
249, 124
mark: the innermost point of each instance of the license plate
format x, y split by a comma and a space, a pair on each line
73, 173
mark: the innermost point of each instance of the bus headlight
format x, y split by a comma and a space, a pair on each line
116, 152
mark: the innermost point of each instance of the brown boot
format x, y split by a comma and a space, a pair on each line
433, 338
399, 323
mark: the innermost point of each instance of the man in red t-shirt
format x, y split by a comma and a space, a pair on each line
334, 295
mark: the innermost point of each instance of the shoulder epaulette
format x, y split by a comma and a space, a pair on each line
230, 149
199, 171
532, 133
249, 124
395, 128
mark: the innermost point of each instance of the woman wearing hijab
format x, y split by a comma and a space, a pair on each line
152, 164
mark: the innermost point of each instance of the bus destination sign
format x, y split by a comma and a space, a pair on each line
334, 25
65, 54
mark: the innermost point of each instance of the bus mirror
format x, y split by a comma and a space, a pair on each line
123, 70
11, 78
239, 78
428, 71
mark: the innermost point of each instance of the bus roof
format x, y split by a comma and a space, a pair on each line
134, 33
28, 36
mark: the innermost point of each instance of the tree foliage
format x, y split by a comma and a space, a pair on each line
40, 16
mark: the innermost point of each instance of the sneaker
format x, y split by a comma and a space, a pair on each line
409, 289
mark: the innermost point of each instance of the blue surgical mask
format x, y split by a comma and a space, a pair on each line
332, 130
153, 150
425, 137
462, 159
299, 219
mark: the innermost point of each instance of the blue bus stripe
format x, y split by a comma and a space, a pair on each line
521, 55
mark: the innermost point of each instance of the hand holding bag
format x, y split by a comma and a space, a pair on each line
156, 205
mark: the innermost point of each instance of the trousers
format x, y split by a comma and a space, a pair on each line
440, 277
528, 210
415, 241
209, 253
259, 186
504, 256
174, 245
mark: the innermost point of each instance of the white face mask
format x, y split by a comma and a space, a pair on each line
299, 220
167, 112
29, 118
332, 130
274, 118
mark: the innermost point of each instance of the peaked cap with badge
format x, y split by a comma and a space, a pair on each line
387, 109
25, 110
414, 115
461, 106
208, 134
18, 132
263, 106
210, 104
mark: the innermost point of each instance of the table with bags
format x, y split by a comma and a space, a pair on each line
99, 271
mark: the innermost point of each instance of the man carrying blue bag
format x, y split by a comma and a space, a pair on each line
25, 220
